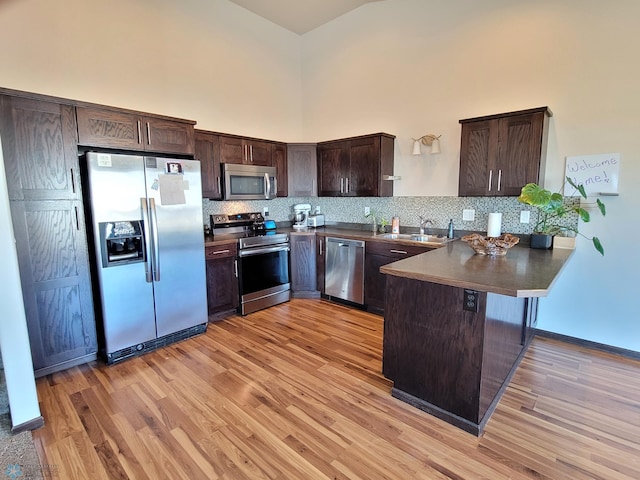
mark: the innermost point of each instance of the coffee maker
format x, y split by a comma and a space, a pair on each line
300, 214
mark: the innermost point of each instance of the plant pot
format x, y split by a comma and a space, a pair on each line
541, 241
564, 242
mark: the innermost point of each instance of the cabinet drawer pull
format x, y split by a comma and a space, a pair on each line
219, 252
499, 178
398, 251
490, 178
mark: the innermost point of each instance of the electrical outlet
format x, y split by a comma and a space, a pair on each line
468, 215
265, 211
470, 301
524, 216
367, 211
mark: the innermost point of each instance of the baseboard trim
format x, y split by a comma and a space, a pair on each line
64, 365
32, 424
623, 352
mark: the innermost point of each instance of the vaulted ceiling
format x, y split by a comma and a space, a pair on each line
301, 16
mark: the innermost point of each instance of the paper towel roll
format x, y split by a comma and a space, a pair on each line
494, 226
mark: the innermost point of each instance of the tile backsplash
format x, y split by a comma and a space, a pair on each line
351, 210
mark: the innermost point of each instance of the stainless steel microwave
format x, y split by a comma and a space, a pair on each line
249, 182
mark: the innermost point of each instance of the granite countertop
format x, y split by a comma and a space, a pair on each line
523, 272
327, 231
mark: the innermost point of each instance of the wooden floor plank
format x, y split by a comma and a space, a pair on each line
296, 391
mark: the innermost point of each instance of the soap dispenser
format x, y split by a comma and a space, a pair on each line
450, 232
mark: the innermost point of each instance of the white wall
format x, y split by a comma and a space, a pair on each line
410, 67
205, 60
14, 339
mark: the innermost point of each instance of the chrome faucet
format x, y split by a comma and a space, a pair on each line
423, 224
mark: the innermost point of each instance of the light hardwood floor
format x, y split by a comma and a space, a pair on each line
296, 392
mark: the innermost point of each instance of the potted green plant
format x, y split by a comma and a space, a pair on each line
552, 208
382, 227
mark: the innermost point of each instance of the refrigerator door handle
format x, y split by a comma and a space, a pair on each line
156, 247
147, 240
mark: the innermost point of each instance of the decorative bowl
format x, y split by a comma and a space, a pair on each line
496, 246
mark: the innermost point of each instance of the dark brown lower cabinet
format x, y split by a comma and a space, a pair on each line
447, 360
378, 254
303, 265
222, 280
321, 244
56, 283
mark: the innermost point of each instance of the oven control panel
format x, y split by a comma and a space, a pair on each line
236, 219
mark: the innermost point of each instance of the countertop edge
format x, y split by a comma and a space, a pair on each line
528, 273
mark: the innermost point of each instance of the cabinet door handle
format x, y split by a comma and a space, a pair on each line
341, 185
251, 152
490, 178
139, 133
321, 247
73, 182
148, 134
219, 186
346, 182
499, 178
313, 187
77, 219
235, 267
402, 252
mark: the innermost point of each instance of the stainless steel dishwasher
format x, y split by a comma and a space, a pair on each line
344, 274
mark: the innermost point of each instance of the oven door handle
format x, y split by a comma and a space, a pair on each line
259, 251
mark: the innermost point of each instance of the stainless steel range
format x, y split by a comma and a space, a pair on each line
263, 259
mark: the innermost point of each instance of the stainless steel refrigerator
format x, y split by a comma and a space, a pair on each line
146, 219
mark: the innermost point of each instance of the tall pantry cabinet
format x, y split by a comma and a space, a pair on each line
39, 142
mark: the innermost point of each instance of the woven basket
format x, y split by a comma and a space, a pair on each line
496, 246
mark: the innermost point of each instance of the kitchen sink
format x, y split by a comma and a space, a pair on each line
416, 237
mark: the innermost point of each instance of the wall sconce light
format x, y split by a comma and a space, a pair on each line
428, 139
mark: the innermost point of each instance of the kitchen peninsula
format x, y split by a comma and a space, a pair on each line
457, 325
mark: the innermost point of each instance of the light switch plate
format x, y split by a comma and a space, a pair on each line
468, 215
524, 216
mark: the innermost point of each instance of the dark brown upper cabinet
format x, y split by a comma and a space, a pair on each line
234, 149
499, 154
356, 166
302, 168
280, 161
208, 153
112, 128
